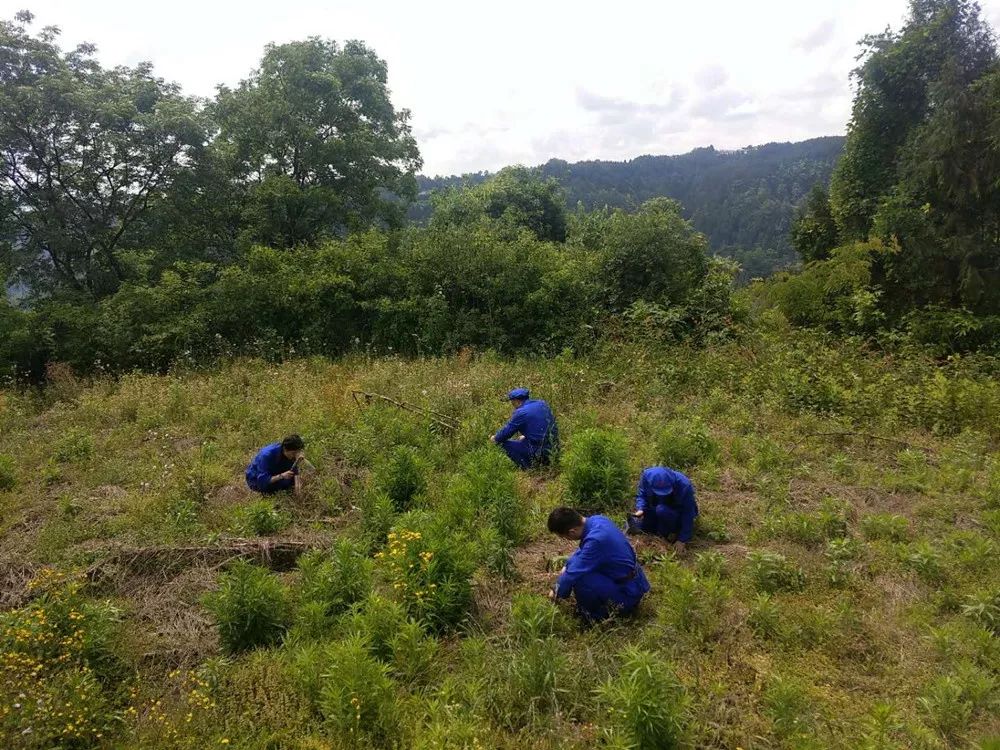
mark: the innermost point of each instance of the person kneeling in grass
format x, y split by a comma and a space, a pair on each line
665, 505
533, 423
603, 574
276, 466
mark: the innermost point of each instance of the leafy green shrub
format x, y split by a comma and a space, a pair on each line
251, 608
840, 553
377, 619
75, 445
691, 605
812, 528
431, 576
646, 703
261, 518
358, 698
312, 623
485, 489
926, 562
789, 707
450, 727
68, 709
951, 701
683, 444
766, 619
379, 430
596, 469
60, 667
770, 572
886, 526
769, 457
536, 673
972, 551
377, 518
62, 628
403, 477
991, 522
414, 655
534, 618
337, 579
983, 608
8, 477
714, 529
710, 564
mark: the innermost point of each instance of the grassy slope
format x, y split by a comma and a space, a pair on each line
156, 460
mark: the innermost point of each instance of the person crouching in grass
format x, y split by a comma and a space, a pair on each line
275, 468
603, 575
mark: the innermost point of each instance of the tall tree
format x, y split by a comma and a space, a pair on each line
316, 141
83, 153
944, 213
899, 83
814, 232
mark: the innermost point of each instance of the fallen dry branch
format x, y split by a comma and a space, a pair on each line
442, 420
159, 562
169, 560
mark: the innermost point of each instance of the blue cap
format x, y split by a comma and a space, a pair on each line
660, 481
517, 394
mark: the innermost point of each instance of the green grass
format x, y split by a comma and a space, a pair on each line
840, 592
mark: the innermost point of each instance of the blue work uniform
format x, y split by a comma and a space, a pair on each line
534, 420
269, 461
666, 498
603, 573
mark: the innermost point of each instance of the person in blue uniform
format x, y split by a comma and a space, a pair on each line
534, 425
275, 467
665, 505
603, 575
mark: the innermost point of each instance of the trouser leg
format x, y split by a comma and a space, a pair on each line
668, 521
519, 451
596, 595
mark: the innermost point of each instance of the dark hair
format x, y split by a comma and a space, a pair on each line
562, 519
293, 443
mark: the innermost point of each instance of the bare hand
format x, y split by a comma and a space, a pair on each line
288, 474
493, 438
552, 594
680, 548
639, 513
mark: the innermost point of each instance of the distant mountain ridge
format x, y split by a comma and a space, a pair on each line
743, 200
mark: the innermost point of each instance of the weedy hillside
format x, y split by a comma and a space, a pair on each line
842, 590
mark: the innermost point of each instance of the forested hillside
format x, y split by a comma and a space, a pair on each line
744, 200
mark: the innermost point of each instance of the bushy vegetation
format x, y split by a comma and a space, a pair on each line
906, 241
817, 546
841, 589
251, 608
597, 470
683, 444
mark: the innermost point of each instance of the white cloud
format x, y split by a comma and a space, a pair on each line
711, 77
820, 36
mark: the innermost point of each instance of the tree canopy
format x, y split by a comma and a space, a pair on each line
86, 151
314, 138
516, 197
921, 160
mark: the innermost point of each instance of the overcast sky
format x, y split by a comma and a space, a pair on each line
490, 84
